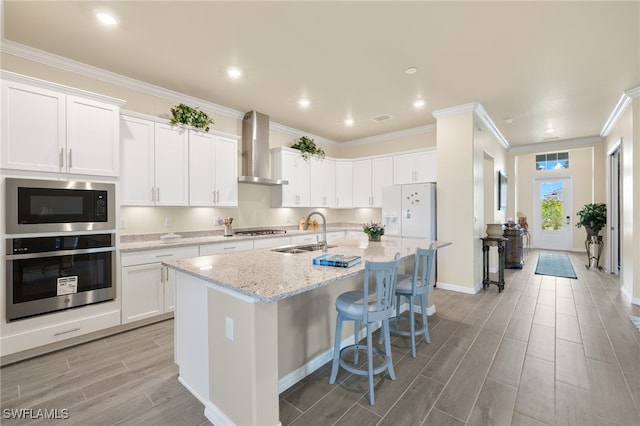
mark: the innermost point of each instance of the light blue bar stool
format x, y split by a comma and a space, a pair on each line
375, 303
411, 286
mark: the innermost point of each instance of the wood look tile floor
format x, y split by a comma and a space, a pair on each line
545, 351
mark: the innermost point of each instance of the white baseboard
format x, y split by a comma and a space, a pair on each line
459, 288
629, 296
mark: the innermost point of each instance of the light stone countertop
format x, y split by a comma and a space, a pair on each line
144, 244
269, 276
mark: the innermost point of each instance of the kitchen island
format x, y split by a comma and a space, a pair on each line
249, 325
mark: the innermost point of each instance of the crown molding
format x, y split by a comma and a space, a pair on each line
479, 111
556, 145
296, 132
66, 64
429, 128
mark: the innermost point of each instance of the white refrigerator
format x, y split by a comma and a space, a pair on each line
410, 210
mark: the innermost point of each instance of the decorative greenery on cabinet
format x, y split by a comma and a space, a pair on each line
189, 116
307, 148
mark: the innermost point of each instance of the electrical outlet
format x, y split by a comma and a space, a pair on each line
168, 221
123, 223
228, 327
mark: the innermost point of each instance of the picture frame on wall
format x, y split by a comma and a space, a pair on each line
502, 191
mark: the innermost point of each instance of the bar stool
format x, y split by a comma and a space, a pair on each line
416, 285
371, 305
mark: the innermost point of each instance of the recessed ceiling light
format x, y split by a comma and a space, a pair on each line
419, 103
550, 130
106, 18
508, 120
349, 121
234, 72
411, 70
304, 102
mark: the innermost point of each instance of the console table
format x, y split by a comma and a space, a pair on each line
501, 244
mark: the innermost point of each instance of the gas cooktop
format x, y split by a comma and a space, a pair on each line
261, 232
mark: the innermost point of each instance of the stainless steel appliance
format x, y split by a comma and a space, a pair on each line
48, 274
261, 232
58, 206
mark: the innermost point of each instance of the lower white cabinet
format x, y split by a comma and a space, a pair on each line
270, 242
147, 285
230, 247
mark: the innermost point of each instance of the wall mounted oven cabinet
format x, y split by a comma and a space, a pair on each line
52, 128
155, 163
55, 273
213, 170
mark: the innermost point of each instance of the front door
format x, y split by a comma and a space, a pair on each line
552, 221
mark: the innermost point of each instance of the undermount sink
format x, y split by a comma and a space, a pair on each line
300, 249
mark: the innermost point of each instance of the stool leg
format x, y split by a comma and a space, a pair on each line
412, 327
370, 363
425, 320
356, 340
336, 350
387, 348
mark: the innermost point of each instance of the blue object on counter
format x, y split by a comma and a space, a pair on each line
338, 260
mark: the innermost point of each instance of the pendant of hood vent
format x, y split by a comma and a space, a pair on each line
255, 151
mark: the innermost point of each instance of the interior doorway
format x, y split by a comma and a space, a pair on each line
552, 205
613, 210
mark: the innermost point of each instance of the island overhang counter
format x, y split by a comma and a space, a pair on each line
249, 325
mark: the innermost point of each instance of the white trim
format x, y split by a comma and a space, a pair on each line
627, 293
429, 128
480, 112
296, 132
459, 288
619, 109
555, 146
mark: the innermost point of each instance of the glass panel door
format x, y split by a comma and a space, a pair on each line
552, 219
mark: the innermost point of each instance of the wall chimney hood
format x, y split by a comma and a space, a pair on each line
255, 150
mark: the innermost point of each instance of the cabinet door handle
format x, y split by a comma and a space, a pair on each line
61, 157
153, 194
70, 162
228, 248
217, 197
158, 194
164, 255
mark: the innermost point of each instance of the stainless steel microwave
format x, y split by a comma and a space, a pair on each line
58, 206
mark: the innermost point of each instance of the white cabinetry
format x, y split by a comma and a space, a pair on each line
147, 286
270, 242
369, 177
51, 128
322, 180
213, 170
414, 167
344, 184
230, 247
289, 165
155, 163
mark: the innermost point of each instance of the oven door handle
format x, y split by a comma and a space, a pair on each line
59, 253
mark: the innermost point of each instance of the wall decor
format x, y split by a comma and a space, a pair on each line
502, 191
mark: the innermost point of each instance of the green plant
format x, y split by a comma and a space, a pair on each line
308, 148
374, 230
189, 116
593, 216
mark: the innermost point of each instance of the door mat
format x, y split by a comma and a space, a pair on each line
555, 264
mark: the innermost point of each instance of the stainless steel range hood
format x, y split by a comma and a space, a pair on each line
255, 150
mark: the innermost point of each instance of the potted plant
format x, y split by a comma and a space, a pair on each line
189, 116
593, 217
373, 230
307, 148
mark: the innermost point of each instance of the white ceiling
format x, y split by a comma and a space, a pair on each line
543, 64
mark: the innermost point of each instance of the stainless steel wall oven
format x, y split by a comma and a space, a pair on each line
61, 249
48, 274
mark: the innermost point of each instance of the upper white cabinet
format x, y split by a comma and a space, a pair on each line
322, 182
290, 166
155, 163
51, 128
213, 170
344, 184
414, 167
369, 177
